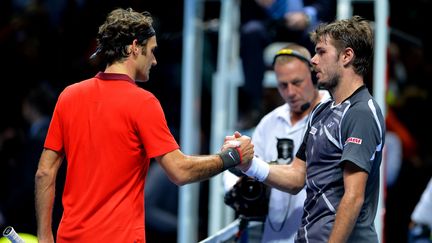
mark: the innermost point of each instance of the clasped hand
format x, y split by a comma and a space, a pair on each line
245, 145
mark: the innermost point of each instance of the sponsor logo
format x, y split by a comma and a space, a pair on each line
285, 149
354, 140
232, 157
313, 130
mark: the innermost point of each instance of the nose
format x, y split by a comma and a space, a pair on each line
290, 89
314, 60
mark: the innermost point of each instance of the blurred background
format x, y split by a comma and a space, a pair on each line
45, 45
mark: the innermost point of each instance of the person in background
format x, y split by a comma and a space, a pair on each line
262, 23
107, 129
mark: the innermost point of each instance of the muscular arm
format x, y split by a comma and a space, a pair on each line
352, 201
46, 174
183, 169
289, 178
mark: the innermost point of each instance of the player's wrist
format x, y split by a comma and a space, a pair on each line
230, 157
258, 169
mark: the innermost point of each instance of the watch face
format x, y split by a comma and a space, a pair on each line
285, 148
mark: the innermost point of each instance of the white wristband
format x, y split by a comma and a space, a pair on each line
258, 169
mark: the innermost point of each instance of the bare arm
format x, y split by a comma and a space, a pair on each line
46, 174
352, 201
289, 178
183, 169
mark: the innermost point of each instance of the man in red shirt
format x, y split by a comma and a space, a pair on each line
108, 129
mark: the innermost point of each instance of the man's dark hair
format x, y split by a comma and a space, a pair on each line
355, 33
121, 28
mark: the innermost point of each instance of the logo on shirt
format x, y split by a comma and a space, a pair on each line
330, 124
313, 130
285, 149
354, 140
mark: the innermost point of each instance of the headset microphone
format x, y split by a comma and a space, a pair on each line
305, 106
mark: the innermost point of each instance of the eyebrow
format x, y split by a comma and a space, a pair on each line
293, 81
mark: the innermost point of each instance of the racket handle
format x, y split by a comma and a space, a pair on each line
10, 233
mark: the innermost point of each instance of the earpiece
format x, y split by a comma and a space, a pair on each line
305, 106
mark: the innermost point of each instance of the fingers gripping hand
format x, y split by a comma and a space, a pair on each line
236, 150
243, 144
231, 141
258, 168
246, 149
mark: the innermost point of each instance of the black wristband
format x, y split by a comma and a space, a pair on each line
230, 158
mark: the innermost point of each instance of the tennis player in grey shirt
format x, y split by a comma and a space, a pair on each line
341, 153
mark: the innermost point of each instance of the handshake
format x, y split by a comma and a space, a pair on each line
238, 151
249, 197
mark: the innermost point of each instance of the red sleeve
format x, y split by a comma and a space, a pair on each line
153, 130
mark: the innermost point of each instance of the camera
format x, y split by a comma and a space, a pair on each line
249, 198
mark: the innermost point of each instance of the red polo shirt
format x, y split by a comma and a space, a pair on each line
108, 128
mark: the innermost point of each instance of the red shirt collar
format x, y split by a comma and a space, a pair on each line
114, 76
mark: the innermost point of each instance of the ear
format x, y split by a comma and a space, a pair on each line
133, 48
347, 56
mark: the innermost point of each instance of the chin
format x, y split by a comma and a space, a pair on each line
142, 78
